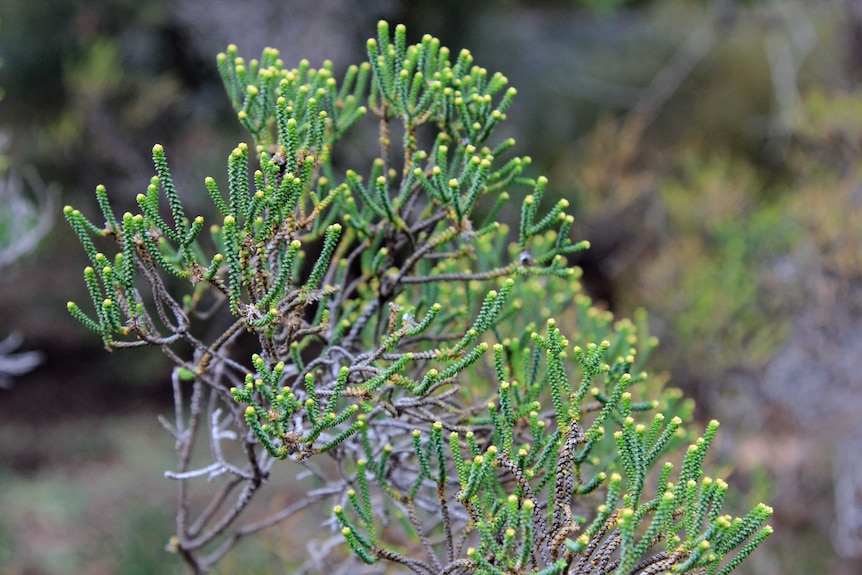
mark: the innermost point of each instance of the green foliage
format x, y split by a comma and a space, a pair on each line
826, 168
723, 232
403, 333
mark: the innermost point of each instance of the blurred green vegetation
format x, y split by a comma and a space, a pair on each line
729, 207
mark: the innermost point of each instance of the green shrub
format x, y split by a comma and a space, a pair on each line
437, 378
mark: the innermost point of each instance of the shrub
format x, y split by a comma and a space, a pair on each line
410, 351
25, 220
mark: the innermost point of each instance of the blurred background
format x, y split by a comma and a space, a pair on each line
709, 148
